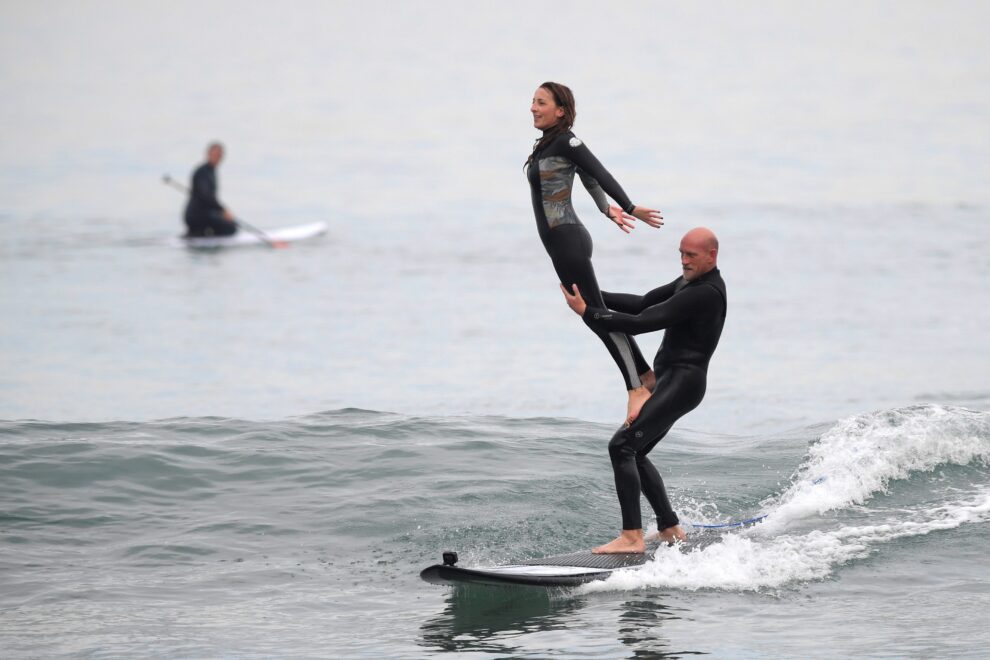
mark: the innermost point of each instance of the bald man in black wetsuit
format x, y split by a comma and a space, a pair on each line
205, 215
691, 311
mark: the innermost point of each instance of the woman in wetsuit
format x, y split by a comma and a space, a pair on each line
550, 168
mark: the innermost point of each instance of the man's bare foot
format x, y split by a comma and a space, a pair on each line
670, 536
649, 380
631, 540
637, 397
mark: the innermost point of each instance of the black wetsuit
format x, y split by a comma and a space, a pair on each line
204, 213
568, 242
692, 315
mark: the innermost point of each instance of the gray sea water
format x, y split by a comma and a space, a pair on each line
253, 452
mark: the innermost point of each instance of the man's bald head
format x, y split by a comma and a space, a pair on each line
214, 153
699, 252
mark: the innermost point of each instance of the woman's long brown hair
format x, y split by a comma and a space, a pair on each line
564, 98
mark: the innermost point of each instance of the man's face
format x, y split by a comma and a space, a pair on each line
695, 259
214, 155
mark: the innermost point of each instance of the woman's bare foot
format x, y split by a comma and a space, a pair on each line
670, 536
649, 380
637, 397
631, 540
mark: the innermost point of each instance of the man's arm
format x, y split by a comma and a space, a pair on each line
687, 304
631, 303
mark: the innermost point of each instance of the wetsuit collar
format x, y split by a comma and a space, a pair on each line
707, 276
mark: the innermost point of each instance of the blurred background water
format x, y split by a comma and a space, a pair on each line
252, 452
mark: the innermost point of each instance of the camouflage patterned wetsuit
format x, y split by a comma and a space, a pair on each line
568, 242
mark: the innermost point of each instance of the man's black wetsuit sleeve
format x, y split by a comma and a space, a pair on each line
687, 304
630, 303
589, 166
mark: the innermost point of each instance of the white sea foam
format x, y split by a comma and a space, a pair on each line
854, 460
750, 563
859, 456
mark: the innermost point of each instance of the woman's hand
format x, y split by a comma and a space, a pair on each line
625, 220
575, 301
651, 217
621, 218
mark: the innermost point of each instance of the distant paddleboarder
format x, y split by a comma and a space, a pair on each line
691, 311
205, 215
550, 169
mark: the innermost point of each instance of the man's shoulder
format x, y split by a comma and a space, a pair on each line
713, 277
710, 283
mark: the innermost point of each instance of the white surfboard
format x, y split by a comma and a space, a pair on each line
245, 237
557, 571
572, 569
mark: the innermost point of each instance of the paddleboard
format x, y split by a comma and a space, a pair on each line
244, 237
568, 570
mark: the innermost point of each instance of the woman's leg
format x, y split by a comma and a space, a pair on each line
570, 250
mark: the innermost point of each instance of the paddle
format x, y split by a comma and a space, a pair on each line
271, 242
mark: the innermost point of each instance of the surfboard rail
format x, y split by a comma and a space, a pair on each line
512, 575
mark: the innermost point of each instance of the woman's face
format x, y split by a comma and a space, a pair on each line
545, 111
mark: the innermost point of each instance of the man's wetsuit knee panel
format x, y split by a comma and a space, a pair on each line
624, 443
